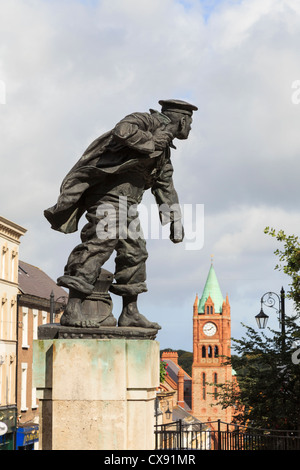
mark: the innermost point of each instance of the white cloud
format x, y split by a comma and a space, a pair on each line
241, 230
72, 69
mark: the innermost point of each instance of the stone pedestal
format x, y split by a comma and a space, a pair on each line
96, 388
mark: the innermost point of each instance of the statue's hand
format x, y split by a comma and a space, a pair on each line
176, 232
162, 139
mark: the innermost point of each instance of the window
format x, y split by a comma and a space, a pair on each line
10, 378
203, 386
1, 372
1, 318
203, 351
23, 386
44, 317
215, 382
9, 381
13, 265
3, 267
3, 313
12, 320
209, 351
35, 316
25, 328
211, 310
216, 351
33, 398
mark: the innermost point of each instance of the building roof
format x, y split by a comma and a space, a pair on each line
179, 413
171, 379
213, 290
173, 370
33, 281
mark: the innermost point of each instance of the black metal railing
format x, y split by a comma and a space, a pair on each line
223, 436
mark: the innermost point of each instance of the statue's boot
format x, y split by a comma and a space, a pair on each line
72, 315
90, 310
131, 317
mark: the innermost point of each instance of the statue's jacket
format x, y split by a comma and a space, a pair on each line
117, 152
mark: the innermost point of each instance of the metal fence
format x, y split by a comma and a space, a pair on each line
223, 436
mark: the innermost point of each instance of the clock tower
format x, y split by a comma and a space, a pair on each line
211, 341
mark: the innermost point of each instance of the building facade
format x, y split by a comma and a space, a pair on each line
35, 289
24, 305
10, 234
211, 341
177, 380
175, 391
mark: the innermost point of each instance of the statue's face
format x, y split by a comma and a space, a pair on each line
184, 127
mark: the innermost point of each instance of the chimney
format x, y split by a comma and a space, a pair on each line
170, 356
180, 388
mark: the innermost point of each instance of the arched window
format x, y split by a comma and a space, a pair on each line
203, 386
203, 351
216, 351
215, 382
211, 310
209, 351
207, 309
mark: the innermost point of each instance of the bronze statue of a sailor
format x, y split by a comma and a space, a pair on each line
106, 183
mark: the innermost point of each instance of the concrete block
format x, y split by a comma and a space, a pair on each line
96, 394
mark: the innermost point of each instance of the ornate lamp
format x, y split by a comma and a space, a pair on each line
269, 299
168, 413
262, 319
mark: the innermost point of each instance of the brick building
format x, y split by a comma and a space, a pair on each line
178, 381
211, 340
35, 288
10, 235
193, 396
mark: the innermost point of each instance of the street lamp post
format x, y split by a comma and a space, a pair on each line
52, 305
269, 300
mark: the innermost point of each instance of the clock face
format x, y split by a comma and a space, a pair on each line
209, 329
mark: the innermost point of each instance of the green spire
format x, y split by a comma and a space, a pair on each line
213, 290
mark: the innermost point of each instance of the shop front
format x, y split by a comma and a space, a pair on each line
27, 437
8, 420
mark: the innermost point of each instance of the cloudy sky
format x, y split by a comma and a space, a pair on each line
71, 69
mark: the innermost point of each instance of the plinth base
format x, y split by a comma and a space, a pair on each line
96, 394
57, 331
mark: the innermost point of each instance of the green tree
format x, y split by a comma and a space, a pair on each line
268, 377
289, 261
267, 393
162, 371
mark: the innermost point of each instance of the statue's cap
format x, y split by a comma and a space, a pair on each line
177, 106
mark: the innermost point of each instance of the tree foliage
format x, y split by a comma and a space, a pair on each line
289, 261
162, 371
267, 391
